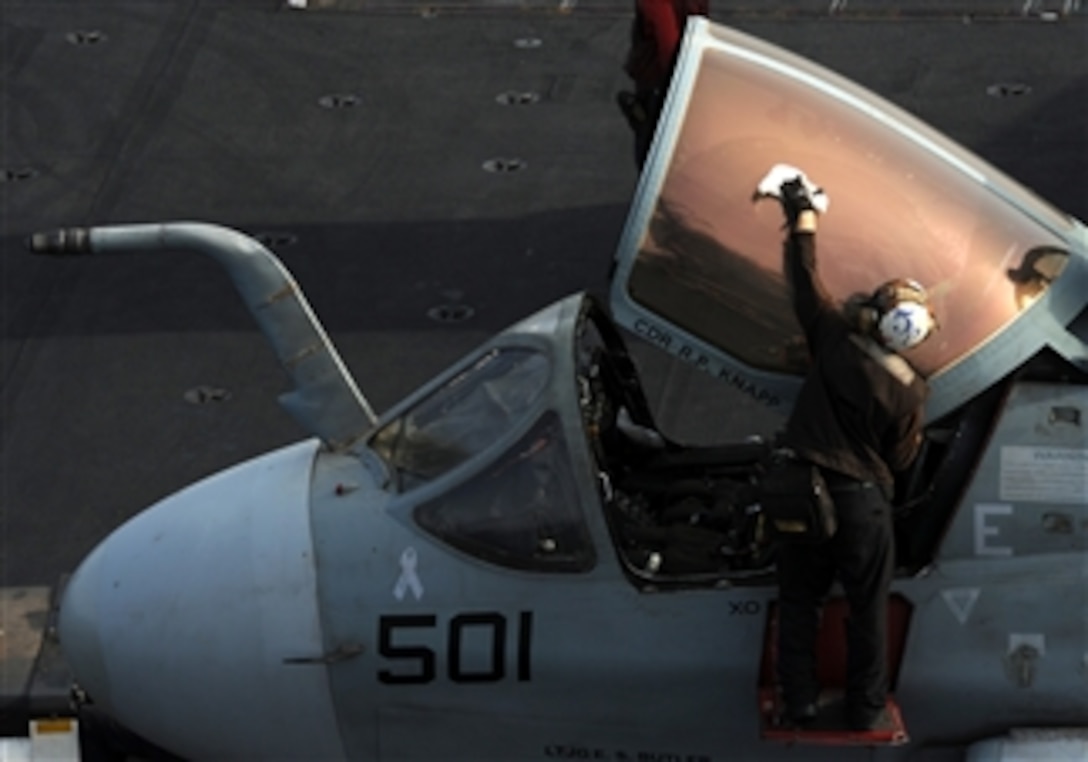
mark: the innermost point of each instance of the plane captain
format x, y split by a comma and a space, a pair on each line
858, 417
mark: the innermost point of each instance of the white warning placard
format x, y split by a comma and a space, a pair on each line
1044, 475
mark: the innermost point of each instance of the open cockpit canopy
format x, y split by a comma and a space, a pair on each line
699, 267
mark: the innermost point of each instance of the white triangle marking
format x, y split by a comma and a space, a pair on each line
961, 601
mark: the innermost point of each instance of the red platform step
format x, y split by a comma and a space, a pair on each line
829, 728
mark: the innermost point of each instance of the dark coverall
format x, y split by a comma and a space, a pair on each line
655, 43
859, 423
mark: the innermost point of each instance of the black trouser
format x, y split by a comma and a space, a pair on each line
651, 100
862, 553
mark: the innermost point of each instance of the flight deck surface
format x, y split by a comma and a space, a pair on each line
430, 172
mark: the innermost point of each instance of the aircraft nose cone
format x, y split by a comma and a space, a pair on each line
182, 622
79, 630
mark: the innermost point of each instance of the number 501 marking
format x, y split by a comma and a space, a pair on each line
394, 643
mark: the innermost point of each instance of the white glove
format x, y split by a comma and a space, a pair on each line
771, 185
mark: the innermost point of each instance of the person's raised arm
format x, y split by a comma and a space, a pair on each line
811, 300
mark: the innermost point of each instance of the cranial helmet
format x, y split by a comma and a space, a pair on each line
903, 317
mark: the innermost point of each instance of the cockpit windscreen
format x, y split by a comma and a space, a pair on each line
464, 416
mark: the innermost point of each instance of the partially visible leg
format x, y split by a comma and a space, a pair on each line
650, 102
864, 548
805, 574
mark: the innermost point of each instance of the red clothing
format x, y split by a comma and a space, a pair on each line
655, 39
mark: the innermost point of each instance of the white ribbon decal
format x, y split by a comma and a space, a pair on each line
409, 580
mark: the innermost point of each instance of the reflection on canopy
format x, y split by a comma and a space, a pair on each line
711, 257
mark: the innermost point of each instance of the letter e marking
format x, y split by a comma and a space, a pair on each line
983, 530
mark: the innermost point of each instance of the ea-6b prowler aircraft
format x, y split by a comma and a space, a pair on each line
515, 564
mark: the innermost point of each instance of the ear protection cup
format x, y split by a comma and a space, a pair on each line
902, 317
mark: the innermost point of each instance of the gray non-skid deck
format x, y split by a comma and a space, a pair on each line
353, 137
